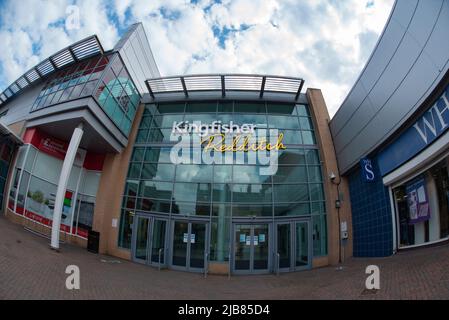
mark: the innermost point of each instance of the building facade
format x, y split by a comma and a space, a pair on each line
202, 173
390, 134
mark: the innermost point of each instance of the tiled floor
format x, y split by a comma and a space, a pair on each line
30, 270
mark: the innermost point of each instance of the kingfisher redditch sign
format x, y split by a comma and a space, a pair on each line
218, 143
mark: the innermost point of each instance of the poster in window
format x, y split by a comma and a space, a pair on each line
418, 204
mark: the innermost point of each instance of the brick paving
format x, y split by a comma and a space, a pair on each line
30, 270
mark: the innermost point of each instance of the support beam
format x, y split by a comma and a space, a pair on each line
62, 184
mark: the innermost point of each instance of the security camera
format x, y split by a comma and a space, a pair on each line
332, 176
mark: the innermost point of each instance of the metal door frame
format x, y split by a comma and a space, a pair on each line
251, 269
189, 232
293, 266
150, 229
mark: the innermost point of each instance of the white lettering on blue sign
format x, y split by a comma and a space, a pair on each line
432, 124
367, 169
423, 125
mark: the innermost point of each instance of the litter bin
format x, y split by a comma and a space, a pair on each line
93, 241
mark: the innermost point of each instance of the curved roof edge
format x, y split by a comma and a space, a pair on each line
407, 65
75, 52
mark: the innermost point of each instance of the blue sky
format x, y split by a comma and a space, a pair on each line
326, 42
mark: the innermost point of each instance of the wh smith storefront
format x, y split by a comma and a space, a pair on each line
400, 195
415, 169
390, 134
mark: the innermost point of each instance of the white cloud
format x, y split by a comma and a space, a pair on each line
325, 42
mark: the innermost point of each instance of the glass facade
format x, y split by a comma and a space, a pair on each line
226, 192
6, 150
103, 77
34, 185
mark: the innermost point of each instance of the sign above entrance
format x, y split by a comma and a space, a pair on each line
58, 149
219, 143
431, 125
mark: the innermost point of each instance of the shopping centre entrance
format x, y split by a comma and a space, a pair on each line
178, 244
256, 246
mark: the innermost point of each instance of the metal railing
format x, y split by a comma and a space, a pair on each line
159, 262
278, 256
224, 83
206, 264
230, 266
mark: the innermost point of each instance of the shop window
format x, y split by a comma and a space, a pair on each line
221, 209
291, 156
290, 174
305, 123
193, 192
37, 191
291, 137
283, 122
245, 107
308, 137
221, 192
191, 208
157, 154
302, 110
198, 107
250, 210
257, 119
252, 193
170, 108
156, 189
290, 192
291, 209
225, 106
288, 109
222, 173
156, 205
84, 212
312, 156
422, 207
164, 172
194, 173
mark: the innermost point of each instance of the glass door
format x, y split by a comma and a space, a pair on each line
197, 245
180, 241
141, 239
293, 246
189, 245
158, 249
251, 248
302, 244
149, 238
242, 247
260, 247
284, 246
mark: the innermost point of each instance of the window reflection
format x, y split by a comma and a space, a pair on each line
220, 190
251, 193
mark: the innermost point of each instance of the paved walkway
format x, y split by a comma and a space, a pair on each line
30, 270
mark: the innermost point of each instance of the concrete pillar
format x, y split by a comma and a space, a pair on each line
62, 184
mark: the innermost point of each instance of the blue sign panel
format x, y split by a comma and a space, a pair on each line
367, 170
433, 123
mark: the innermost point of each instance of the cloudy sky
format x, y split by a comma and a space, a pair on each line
325, 42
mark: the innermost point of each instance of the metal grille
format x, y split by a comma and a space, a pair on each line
79, 50
224, 83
